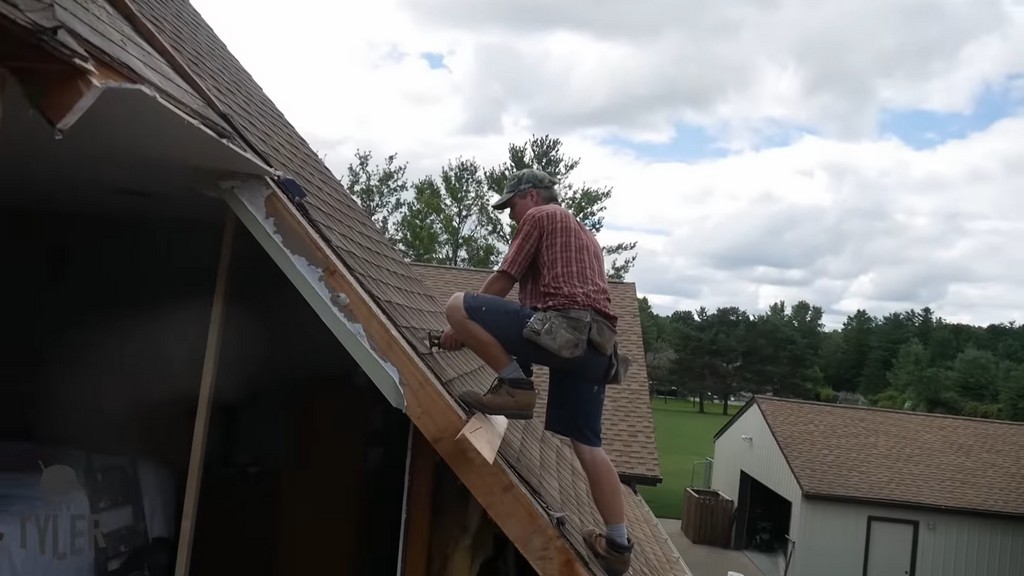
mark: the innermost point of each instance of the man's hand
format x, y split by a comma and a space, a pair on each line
449, 341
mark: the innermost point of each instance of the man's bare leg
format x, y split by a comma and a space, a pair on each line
513, 394
601, 474
613, 547
474, 336
604, 483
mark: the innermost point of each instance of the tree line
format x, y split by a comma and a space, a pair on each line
906, 360
446, 218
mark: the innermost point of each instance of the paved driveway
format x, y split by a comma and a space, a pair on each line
707, 560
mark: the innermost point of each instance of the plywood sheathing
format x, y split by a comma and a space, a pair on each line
58, 89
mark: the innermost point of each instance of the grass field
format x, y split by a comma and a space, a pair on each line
684, 436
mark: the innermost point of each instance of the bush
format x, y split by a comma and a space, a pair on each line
891, 399
826, 394
979, 410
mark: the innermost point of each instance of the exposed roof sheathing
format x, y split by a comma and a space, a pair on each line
628, 432
97, 28
891, 456
539, 460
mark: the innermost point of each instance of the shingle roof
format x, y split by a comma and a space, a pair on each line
891, 456
628, 424
542, 462
96, 25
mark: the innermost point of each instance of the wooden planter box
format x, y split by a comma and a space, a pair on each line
707, 517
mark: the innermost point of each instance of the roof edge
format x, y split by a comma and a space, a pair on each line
490, 270
754, 400
42, 29
847, 499
888, 410
641, 479
782, 450
735, 417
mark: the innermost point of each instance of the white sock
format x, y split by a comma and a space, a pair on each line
617, 534
512, 372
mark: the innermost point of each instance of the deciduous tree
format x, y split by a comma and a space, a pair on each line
380, 189
449, 220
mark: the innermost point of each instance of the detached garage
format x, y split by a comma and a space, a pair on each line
851, 491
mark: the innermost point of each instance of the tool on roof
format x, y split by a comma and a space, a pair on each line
433, 340
559, 519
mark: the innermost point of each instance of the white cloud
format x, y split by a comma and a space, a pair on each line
736, 66
872, 224
844, 219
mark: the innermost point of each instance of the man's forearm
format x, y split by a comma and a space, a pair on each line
498, 284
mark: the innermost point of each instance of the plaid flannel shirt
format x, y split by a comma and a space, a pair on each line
558, 263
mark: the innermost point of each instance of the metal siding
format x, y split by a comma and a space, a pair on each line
761, 459
833, 536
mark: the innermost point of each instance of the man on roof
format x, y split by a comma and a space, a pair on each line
564, 321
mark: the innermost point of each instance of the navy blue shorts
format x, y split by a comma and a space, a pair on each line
575, 388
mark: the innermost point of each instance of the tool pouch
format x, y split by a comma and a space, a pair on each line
618, 367
604, 337
567, 333
564, 333
602, 334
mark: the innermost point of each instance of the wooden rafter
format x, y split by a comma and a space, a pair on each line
429, 407
420, 506
211, 361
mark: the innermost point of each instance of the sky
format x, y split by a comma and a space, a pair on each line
856, 155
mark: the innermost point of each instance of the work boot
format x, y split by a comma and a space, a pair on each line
613, 557
513, 398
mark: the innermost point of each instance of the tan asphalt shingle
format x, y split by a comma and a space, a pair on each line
901, 457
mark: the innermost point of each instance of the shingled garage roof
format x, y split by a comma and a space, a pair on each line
387, 296
628, 424
896, 457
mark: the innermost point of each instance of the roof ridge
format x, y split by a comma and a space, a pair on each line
489, 270
762, 397
450, 267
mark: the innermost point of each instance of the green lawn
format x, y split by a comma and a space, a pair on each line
684, 436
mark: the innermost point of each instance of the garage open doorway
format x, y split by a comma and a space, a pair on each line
762, 525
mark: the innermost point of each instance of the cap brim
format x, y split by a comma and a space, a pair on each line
502, 202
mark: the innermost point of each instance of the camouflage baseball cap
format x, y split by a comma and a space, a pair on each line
521, 181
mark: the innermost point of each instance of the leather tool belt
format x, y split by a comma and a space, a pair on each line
567, 333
